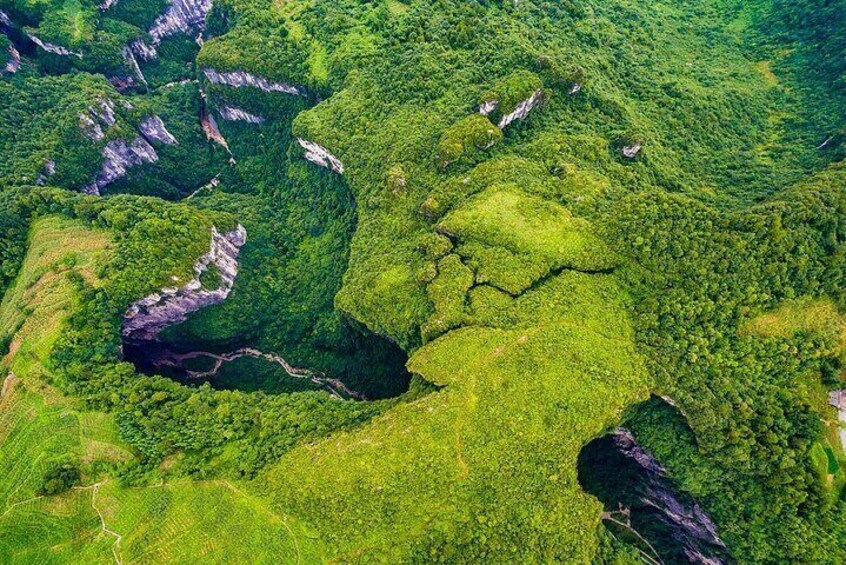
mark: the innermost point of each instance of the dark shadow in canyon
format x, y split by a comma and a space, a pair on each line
376, 370
644, 506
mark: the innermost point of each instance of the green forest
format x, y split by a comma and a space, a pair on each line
368, 281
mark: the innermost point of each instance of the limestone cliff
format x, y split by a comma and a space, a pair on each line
14, 62
522, 110
232, 114
238, 79
118, 157
153, 129
146, 318
320, 156
642, 499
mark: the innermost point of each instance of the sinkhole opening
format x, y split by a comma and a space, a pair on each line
643, 506
369, 367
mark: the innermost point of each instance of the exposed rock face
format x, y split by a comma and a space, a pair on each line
574, 89
488, 106
320, 156
240, 79
522, 110
146, 318
212, 131
49, 171
106, 4
640, 497
51, 48
132, 63
185, 16
631, 151
14, 62
153, 129
142, 50
119, 156
232, 114
102, 113
181, 16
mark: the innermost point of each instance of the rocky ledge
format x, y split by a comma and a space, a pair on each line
520, 112
320, 156
102, 113
238, 79
146, 318
14, 62
118, 157
181, 16
153, 129
232, 114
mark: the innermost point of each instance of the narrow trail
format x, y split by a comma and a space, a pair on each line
335, 386
21, 503
94, 488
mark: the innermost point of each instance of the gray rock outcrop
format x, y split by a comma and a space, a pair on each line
181, 16
48, 171
153, 129
118, 157
522, 110
239, 79
52, 48
320, 156
14, 62
102, 113
232, 114
640, 496
146, 318
631, 151
488, 106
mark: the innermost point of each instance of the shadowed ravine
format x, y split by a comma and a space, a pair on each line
644, 506
197, 363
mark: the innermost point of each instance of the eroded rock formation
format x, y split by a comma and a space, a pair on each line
55, 49
118, 157
181, 16
14, 62
90, 121
49, 171
320, 156
232, 114
129, 56
488, 106
631, 151
146, 318
522, 110
238, 79
641, 498
153, 129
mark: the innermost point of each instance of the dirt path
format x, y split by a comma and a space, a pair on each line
94, 488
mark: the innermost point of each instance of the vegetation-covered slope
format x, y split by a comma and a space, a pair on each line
549, 209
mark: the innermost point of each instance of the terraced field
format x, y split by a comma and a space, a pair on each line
98, 520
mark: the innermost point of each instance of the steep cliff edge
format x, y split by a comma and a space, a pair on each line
239, 79
147, 317
645, 505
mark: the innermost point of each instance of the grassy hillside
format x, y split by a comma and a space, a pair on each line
665, 216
